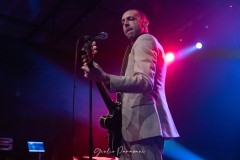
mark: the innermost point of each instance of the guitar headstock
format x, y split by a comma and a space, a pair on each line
87, 55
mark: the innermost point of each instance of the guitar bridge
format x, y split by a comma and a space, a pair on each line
106, 136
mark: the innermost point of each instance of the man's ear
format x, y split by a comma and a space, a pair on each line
145, 24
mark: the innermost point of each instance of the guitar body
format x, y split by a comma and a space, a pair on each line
112, 122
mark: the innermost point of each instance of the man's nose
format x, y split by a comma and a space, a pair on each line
126, 23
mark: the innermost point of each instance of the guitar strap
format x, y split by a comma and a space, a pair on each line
125, 59
123, 70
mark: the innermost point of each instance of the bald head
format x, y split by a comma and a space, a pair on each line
141, 14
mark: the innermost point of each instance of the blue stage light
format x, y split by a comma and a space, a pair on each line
178, 152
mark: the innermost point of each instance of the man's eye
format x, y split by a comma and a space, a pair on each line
131, 18
128, 19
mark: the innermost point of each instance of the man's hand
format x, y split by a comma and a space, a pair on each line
95, 73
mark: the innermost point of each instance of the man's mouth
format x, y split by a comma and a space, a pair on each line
128, 30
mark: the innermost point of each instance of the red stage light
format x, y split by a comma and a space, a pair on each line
169, 57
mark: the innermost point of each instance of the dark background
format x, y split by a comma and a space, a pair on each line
37, 47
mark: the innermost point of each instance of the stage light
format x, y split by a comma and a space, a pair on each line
176, 151
199, 45
169, 57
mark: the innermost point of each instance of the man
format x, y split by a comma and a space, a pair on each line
146, 119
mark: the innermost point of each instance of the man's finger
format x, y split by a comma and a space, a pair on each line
85, 75
94, 51
94, 43
85, 68
94, 47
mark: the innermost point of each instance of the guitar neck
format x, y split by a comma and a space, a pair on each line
106, 98
86, 53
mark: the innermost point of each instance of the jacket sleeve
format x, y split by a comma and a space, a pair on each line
144, 54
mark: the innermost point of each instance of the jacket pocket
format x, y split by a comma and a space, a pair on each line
143, 100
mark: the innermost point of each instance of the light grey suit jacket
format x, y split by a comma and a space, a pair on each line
145, 111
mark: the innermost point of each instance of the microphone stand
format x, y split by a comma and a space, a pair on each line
90, 121
85, 51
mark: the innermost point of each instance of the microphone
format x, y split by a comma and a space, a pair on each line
101, 35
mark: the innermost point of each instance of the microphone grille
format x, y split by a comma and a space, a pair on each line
104, 35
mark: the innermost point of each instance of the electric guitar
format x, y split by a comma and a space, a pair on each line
113, 120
